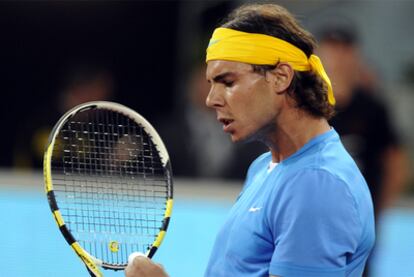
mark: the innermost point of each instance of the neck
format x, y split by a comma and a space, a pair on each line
297, 129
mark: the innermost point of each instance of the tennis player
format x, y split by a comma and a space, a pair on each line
305, 209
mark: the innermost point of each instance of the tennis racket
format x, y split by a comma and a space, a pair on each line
109, 184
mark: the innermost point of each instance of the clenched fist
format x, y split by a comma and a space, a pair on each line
141, 266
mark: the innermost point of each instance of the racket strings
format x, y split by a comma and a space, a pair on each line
110, 184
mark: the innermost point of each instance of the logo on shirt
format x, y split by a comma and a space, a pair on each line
254, 209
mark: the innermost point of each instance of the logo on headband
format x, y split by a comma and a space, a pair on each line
213, 41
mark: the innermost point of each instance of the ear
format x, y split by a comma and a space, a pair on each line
281, 77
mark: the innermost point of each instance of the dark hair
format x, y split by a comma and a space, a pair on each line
307, 88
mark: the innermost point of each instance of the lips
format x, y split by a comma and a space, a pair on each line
226, 123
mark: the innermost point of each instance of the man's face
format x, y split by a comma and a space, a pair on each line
244, 101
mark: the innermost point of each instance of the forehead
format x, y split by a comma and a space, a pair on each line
218, 67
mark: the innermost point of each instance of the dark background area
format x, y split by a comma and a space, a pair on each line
135, 41
147, 48
150, 49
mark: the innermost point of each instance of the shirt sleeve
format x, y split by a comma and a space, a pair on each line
315, 226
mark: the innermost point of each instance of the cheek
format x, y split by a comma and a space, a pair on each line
264, 113
259, 112
243, 104
253, 101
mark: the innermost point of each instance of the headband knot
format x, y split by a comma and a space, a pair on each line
317, 67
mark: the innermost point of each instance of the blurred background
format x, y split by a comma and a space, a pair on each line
149, 55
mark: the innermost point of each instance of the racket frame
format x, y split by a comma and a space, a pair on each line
93, 264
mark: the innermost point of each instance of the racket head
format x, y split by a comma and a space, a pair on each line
108, 180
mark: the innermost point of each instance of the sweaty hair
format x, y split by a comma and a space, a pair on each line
307, 89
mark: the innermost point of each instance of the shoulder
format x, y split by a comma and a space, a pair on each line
330, 171
318, 191
328, 159
317, 211
313, 193
315, 181
332, 159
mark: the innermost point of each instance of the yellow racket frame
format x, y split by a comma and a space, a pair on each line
93, 264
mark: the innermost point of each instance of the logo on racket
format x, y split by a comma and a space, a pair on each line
114, 246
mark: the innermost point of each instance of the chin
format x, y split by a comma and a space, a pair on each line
238, 138
235, 137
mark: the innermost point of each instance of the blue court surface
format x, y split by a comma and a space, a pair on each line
32, 245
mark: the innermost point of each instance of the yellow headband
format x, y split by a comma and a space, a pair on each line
231, 45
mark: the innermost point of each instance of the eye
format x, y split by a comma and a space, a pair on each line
228, 83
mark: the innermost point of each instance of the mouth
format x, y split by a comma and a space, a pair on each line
226, 123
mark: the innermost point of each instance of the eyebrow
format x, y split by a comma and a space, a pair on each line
219, 78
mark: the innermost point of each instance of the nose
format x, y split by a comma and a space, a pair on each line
214, 98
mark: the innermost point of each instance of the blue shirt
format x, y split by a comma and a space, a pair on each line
312, 215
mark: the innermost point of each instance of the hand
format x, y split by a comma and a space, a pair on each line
141, 266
